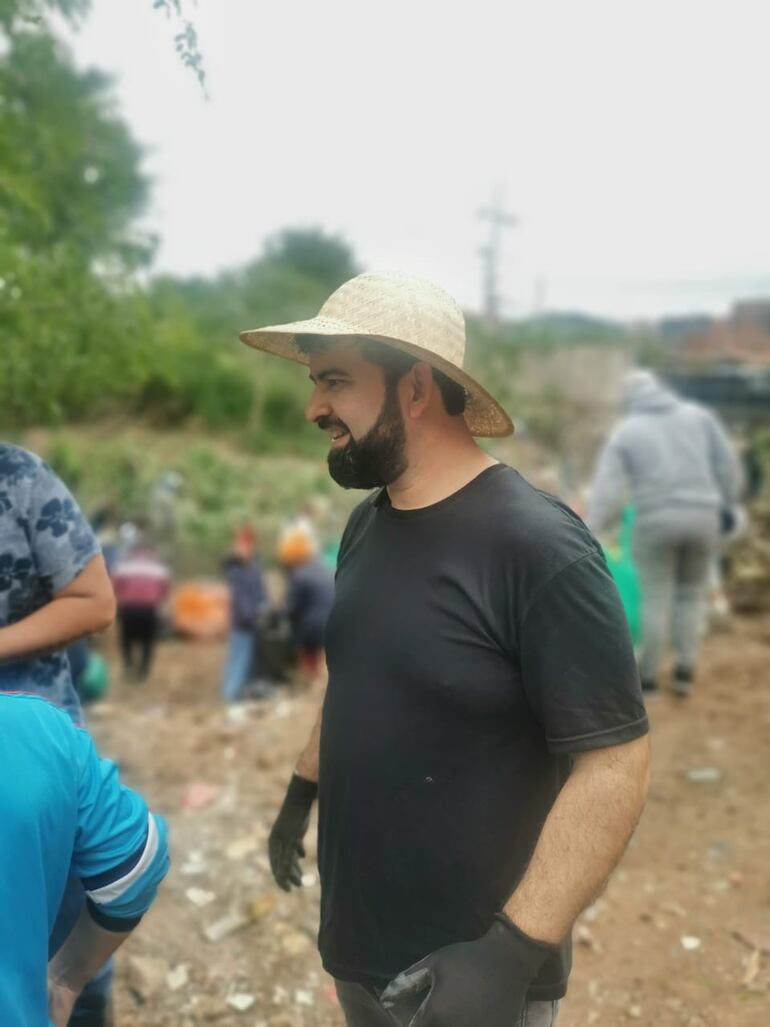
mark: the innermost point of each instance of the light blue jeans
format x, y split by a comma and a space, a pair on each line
240, 659
362, 1009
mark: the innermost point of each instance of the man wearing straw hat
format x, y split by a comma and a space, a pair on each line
481, 757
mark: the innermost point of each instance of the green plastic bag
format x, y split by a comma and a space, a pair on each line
620, 561
95, 680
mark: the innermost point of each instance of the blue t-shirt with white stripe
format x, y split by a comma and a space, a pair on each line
62, 807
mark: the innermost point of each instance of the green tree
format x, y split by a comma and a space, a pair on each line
16, 14
325, 259
70, 188
70, 169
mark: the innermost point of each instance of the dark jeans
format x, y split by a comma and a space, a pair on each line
362, 1009
138, 631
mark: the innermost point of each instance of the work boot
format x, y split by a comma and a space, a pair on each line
681, 682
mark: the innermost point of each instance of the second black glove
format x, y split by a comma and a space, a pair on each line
285, 843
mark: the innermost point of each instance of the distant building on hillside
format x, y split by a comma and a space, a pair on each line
743, 337
726, 363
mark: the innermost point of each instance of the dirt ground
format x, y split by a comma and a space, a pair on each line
681, 935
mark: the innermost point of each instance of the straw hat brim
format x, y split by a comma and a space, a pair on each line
483, 414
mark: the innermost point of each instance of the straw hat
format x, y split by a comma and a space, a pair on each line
408, 313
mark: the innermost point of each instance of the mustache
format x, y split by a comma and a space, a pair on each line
324, 423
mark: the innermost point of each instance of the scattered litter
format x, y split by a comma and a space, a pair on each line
752, 968
198, 795
689, 942
237, 713
146, 976
294, 943
592, 912
703, 775
241, 1001
261, 906
303, 997
177, 977
195, 865
242, 847
200, 897
226, 925
309, 880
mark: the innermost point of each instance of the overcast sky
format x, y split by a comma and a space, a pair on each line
630, 137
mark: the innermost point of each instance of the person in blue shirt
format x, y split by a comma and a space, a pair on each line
71, 815
54, 588
248, 597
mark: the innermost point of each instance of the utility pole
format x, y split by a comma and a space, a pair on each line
490, 254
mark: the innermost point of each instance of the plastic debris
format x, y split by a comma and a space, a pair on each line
294, 943
146, 976
177, 977
200, 897
240, 1001
226, 925
198, 795
283, 709
690, 943
752, 968
194, 865
703, 775
242, 847
261, 906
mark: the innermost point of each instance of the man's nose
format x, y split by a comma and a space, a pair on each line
317, 407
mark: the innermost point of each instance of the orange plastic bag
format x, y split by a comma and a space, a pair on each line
201, 609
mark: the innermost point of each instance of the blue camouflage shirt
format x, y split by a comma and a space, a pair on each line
45, 542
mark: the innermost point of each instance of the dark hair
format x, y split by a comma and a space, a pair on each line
395, 363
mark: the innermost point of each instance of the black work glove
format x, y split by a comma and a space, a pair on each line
285, 842
480, 983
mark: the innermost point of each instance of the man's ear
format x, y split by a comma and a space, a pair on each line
420, 388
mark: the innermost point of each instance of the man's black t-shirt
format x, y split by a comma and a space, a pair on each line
473, 646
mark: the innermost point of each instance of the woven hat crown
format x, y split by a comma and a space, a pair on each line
401, 306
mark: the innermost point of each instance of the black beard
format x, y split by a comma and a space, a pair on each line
377, 459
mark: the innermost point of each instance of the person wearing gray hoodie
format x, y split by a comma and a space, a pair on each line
673, 460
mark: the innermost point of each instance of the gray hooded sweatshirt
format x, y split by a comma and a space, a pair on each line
664, 453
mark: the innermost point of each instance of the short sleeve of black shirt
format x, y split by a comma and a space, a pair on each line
577, 665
